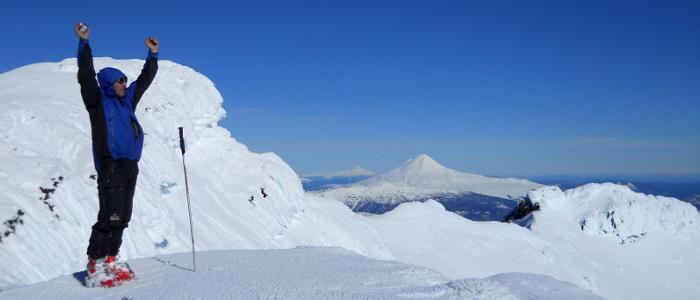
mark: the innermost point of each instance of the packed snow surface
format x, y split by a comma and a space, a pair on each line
48, 202
300, 273
422, 177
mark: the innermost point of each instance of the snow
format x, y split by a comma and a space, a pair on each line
45, 133
423, 177
616, 212
650, 248
45, 144
659, 265
354, 172
300, 273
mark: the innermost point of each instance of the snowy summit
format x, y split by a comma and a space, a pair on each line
571, 249
302, 273
356, 171
316, 181
423, 178
424, 172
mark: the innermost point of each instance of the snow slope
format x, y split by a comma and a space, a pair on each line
659, 265
615, 212
300, 273
48, 202
421, 178
650, 242
45, 144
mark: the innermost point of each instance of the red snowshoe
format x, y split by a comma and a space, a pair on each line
121, 270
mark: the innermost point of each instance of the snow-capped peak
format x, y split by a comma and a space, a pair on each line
356, 171
424, 172
422, 165
422, 176
45, 153
423, 160
421, 170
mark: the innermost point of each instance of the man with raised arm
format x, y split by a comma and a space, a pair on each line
117, 140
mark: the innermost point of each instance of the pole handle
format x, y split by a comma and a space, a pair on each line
182, 141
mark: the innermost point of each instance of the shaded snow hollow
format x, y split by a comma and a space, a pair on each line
48, 202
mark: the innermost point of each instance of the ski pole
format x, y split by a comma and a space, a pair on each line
187, 191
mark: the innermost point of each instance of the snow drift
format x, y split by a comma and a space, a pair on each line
48, 202
615, 212
300, 273
48, 178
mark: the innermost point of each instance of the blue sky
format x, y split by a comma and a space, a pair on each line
519, 88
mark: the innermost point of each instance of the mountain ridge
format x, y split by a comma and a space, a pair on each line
354, 171
422, 177
48, 201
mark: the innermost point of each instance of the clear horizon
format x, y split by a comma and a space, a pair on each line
686, 178
506, 88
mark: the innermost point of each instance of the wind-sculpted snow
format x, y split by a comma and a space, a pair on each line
616, 212
301, 273
45, 135
48, 202
660, 266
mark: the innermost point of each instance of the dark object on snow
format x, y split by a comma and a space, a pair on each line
11, 223
117, 142
116, 183
81, 277
187, 191
524, 208
182, 141
262, 191
164, 243
48, 192
252, 198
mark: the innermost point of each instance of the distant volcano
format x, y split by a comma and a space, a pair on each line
422, 178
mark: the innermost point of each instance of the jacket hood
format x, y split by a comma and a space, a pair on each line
106, 78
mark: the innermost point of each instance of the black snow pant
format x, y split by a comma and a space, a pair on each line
116, 183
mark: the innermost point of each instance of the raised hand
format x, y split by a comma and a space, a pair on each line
152, 43
80, 34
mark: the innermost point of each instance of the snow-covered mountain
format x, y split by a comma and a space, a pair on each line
48, 198
685, 191
422, 178
356, 171
614, 212
48, 201
324, 180
299, 273
661, 262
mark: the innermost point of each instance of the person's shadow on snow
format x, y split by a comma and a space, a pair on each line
81, 277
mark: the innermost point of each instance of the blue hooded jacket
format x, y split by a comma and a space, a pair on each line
125, 135
116, 133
